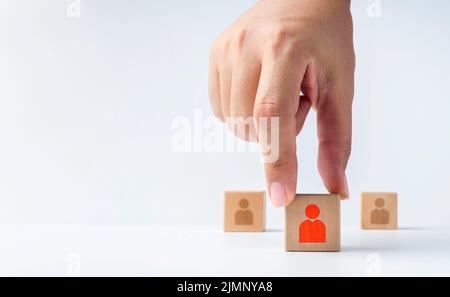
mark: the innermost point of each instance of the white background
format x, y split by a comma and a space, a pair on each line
87, 105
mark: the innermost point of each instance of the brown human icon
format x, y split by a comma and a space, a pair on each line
243, 216
380, 215
312, 230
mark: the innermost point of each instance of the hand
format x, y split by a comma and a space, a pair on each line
271, 55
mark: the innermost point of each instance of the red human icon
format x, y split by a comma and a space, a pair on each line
312, 230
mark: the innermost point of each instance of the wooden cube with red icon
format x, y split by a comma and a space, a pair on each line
312, 223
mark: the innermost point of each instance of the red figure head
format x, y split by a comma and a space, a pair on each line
312, 211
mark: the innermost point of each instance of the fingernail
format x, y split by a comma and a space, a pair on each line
277, 194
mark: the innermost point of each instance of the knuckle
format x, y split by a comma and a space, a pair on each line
239, 38
282, 40
280, 34
220, 45
267, 109
230, 41
215, 50
341, 148
280, 164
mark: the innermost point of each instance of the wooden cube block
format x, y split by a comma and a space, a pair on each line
313, 224
379, 211
244, 212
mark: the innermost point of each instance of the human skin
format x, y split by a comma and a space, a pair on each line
280, 59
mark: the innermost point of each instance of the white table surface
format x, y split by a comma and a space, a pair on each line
142, 250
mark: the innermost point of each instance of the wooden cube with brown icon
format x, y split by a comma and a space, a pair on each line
313, 223
244, 212
379, 211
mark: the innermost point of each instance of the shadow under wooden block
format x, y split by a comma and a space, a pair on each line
244, 212
313, 223
379, 211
